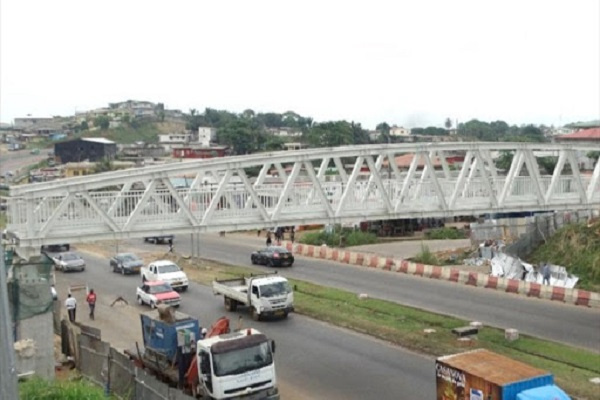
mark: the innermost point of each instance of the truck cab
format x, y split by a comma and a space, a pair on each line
237, 365
166, 271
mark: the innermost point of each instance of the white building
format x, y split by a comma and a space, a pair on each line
284, 132
206, 135
399, 131
173, 139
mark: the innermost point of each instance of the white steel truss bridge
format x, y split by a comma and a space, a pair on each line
314, 186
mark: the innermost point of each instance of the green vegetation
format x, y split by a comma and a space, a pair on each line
2, 220
40, 389
577, 248
339, 237
444, 233
126, 134
404, 326
425, 256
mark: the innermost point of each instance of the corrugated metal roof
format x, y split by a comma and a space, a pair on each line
584, 134
98, 140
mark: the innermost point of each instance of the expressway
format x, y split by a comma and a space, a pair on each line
314, 360
577, 326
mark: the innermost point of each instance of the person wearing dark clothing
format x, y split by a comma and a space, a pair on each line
170, 245
91, 300
269, 241
292, 234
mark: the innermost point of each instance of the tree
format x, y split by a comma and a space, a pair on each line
505, 160
84, 126
244, 136
384, 128
448, 123
102, 121
331, 134
593, 155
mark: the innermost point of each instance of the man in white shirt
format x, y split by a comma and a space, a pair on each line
71, 305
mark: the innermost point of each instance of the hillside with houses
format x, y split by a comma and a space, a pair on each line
136, 133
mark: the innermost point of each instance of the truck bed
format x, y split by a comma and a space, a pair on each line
236, 289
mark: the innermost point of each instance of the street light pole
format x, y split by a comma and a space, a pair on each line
8, 370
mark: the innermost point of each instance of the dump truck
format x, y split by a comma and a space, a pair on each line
217, 365
484, 375
264, 294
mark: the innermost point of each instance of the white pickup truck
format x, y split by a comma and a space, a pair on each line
265, 294
166, 271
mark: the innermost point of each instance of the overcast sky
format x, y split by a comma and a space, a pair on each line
410, 63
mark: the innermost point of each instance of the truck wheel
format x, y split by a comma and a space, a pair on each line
230, 304
140, 301
184, 288
152, 305
255, 314
143, 278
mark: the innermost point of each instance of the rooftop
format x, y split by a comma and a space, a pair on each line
98, 140
584, 134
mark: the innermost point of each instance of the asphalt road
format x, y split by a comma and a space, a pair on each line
313, 360
574, 325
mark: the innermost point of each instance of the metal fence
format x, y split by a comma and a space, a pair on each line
110, 369
541, 228
524, 234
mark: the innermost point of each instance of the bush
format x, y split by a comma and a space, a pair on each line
40, 389
445, 233
426, 256
351, 238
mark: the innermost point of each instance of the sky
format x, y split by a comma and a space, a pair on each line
407, 63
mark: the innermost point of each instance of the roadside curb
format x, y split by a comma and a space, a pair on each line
476, 279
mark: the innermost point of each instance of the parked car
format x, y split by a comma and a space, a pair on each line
157, 292
161, 239
69, 261
126, 263
53, 248
273, 256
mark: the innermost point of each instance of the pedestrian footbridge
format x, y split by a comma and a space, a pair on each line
313, 186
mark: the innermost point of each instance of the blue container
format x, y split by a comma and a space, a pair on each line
161, 336
511, 390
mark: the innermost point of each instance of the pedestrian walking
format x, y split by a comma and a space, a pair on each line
269, 241
292, 234
91, 300
71, 305
170, 246
546, 274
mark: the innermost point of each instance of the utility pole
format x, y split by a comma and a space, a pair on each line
8, 369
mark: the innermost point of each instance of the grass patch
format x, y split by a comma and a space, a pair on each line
339, 237
40, 389
425, 256
577, 248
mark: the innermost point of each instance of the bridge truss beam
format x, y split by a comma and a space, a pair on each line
328, 185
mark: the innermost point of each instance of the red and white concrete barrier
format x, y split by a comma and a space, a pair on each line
531, 289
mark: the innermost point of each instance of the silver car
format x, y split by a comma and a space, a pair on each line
69, 261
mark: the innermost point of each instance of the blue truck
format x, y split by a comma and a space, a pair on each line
482, 374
